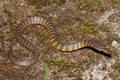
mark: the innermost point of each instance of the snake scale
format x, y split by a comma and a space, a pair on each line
24, 24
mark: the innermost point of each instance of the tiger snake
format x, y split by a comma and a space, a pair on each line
51, 32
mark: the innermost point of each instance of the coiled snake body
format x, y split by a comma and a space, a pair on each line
23, 25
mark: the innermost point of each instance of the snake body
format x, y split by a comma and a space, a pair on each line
23, 25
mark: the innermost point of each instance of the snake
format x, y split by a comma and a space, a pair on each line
53, 38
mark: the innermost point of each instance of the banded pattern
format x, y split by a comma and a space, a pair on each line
28, 62
23, 25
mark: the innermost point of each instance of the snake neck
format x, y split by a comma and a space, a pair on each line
70, 47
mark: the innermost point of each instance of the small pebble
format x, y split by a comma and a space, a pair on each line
115, 44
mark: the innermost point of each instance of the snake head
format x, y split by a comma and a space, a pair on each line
102, 47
